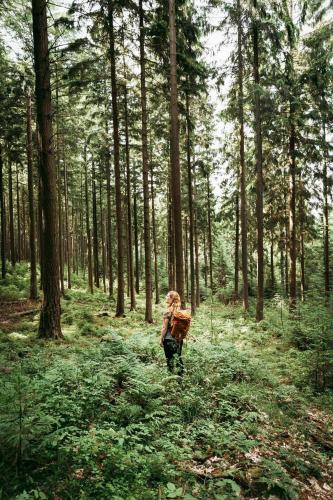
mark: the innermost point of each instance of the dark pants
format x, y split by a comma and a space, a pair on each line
173, 353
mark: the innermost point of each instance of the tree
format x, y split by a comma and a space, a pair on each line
119, 212
145, 171
259, 165
49, 323
243, 198
32, 232
174, 155
3, 220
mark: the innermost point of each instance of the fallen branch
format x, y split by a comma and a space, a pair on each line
24, 313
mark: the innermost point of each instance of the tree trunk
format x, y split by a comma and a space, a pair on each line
136, 242
302, 266
23, 230
18, 214
205, 260
236, 285
325, 222
272, 264
82, 240
90, 270
120, 309
145, 171
101, 218
282, 260
210, 239
108, 218
68, 235
286, 272
3, 220
157, 291
186, 258
190, 202
259, 171
32, 233
11, 214
49, 324
95, 230
40, 211
292, 207
196, 246
61, 256
302, 255
243, 200
174, 155
128, 198
171, 243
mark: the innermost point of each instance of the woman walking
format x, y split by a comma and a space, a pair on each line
172, 347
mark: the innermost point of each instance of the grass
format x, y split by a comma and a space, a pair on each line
99, 416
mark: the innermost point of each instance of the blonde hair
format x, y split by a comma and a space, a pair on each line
176, 302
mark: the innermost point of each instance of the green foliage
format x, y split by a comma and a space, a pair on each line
16, 284
100, 416
314, 336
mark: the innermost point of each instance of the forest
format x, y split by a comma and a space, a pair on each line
159, 158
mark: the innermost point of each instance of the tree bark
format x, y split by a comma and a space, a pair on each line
157, 291
292, 208
145, 171
174, 155
3, 221
40, 210
325, 222
61, 255
171, 243
95, 230
259, 171
24, 225
49, 324
272, 263
190, 202
90, 270
68, 232
302, 266
11, 214
101, 218
243, 199
210, 239
120, 309
186, 258
136, 242
282, 260
32, 233
18, 215
236, 281
205, 259
109, 216
196, 245
82, 239
286, 242
128, 197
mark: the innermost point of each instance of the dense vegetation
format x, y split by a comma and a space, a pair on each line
98, 416
134, 161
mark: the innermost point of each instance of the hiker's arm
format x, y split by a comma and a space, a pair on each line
164, 330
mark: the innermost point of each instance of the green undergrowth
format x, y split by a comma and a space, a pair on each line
99, 416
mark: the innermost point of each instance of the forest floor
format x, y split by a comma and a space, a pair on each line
98, 415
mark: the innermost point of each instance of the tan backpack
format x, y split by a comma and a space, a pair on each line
181, 321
